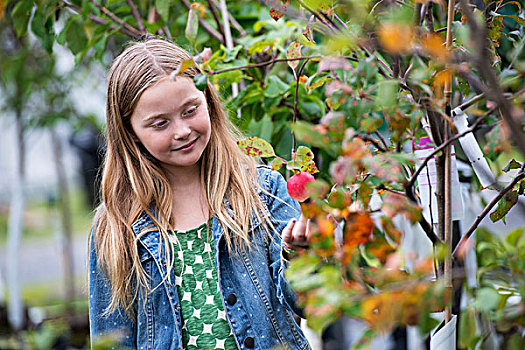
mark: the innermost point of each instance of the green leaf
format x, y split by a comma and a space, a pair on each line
276, 87
504, 205
487, 299
76, 37
261, 46
311, 135
387, 93
163, 8
317, 83
514, 236
21, 14
370, 124
304, 153
256, 147
513, 164
277, 163
42, 26
467, 328
200, 80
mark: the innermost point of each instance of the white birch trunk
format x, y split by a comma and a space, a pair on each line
14, 233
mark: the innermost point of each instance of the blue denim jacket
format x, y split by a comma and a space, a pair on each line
257, 299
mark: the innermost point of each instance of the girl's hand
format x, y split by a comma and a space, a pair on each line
296, 234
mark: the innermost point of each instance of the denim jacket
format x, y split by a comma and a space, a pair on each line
257, 299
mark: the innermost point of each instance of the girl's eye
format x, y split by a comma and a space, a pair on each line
190, 111
159, 124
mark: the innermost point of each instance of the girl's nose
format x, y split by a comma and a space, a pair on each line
181, 131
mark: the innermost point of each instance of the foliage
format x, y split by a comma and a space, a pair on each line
348, 84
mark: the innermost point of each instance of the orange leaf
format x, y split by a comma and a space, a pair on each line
434, 46
279, 11
396, 38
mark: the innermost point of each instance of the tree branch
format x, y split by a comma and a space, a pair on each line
114, 18
298, 78
262, 64
511, 114
216, 18
137, 17
519, 176
98, 20
233, 21
206, 25
413, 179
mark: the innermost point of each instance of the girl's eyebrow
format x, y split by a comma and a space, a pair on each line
190, 101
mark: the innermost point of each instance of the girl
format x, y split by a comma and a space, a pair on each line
186, 248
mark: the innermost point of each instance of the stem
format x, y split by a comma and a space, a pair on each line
447, 227
116, 19
519, 176
413, 179
136, 15
98, 20
233, 21
216, 18
229, 42
206, 25
511, 114
296, 100
262, 64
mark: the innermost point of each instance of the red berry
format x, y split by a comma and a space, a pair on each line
296, 186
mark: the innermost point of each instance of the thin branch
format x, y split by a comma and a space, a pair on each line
298, 78
98, 20
378, 134
413, 179
383, 187
116, 19
233, 21
206, 25
511, 114
262, 64
137, 17
167, 33
216, 17
316, 15
469, 103
519, 176
373, 141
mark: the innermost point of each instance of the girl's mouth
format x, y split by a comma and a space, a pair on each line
187, 146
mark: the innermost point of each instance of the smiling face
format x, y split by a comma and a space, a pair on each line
171, 121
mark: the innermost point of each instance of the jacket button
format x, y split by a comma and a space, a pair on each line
231, 299
249, 342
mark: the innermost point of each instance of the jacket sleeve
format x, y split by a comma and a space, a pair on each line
115, 330
282, 208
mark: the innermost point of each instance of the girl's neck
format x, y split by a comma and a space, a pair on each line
184, 178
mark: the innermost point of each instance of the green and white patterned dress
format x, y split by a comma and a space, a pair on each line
205, 324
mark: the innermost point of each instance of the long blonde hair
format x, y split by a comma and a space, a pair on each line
133, 180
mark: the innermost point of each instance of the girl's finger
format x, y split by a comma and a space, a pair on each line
286, 235
299, 230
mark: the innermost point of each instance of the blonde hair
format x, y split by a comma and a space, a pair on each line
133, 181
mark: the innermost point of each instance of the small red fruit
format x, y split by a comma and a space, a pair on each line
296, 186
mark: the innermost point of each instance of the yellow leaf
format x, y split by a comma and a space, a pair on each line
434, 46
293, 51
396, 38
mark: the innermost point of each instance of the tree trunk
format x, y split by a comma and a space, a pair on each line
65, 216
15, 225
